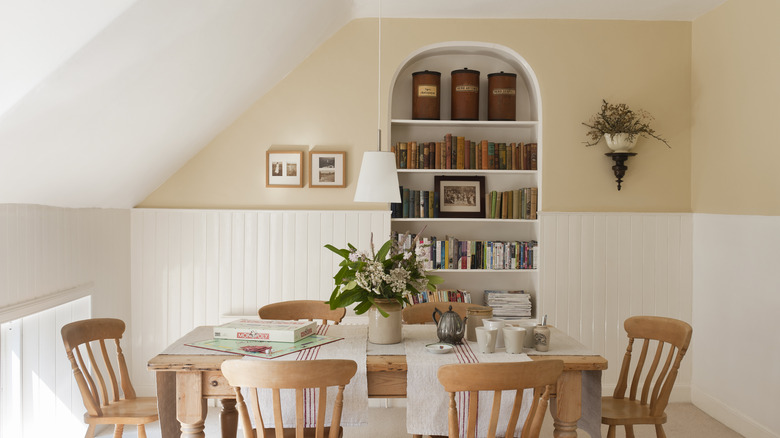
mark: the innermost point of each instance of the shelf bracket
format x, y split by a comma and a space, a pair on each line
620, 167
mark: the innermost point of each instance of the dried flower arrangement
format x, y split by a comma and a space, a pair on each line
620, 119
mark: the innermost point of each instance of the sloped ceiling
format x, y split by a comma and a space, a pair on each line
102, 100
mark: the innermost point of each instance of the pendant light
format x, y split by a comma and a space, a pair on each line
378, 179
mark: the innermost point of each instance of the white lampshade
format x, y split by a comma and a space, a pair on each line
378, 180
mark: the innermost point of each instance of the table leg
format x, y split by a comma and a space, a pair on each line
228, 418
190, 404
166, 404
567, 409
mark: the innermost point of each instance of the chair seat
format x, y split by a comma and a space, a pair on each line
141, 410
625, 411
308, 432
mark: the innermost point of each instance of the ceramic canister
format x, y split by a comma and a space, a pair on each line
465, 95
426, 95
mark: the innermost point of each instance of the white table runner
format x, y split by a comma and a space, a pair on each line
426, 400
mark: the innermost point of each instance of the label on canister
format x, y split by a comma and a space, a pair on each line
504, 91
467, 88
427, 91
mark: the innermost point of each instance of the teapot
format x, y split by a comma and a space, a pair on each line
449, 328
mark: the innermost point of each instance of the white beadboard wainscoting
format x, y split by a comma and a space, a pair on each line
57, 265
192, 267
600, 268
736, 298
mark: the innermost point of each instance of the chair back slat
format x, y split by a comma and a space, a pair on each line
278, 420
498, 377
298, 375
302, 309
516, 407
638, 370
124, 375
110, 371
651, 373
102, 398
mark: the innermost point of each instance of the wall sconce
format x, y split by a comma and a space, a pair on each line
620, 164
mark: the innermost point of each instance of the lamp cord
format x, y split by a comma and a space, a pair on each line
379, 82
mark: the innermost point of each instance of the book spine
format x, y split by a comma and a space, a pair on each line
402, 152
448, 151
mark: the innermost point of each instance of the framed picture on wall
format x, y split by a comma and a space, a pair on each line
327, 169
460, 196
285, 169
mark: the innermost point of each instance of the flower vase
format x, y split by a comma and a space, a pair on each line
384, 330
620, 142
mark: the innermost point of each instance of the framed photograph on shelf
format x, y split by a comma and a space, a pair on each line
285, 169
327, 169
460, 196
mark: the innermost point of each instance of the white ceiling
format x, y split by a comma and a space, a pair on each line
102, 100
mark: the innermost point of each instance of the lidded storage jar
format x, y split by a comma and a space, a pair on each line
501, 96
465, 95
475, 316
426, 95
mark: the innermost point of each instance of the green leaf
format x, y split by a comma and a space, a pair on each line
342, 252
382, 253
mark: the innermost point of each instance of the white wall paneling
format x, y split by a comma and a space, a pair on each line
736, 299
193, 267
600, 268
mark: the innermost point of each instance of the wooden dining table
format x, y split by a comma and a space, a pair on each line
186, 381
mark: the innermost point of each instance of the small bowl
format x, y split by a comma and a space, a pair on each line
439, 348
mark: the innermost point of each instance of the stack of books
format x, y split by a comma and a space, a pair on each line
451, 253
508, 303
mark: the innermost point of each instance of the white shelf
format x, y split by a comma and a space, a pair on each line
467, 123
465, 219
486, 271
469, 171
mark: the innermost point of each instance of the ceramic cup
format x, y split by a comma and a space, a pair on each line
514, 338
496, 324
486, 339
528, 325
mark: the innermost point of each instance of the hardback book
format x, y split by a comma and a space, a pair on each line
460, 152
447, 152
265, 330
402, 155
484, 160
532, 158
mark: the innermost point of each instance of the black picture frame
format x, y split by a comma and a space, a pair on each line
460, 196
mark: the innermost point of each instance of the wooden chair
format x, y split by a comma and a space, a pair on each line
650, 389
423, 312
298, 375
101, 409
542, 376
302, 309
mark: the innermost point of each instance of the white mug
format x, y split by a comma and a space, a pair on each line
528, 325
514, 338
496, 324
486, 339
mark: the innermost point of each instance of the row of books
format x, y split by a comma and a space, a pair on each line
442, 295
508, 303
416, 204
451, 253
511, 204
457, 152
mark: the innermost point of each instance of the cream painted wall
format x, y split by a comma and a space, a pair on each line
329, 102
736, 105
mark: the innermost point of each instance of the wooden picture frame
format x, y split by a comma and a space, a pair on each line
327, 169
284, 168
460, 196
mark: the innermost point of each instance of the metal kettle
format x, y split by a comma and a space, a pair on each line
449, 328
